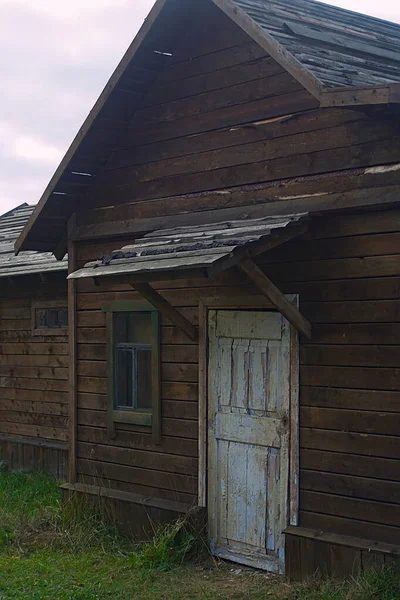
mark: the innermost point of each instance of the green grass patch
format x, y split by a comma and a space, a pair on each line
51, 551
383, 584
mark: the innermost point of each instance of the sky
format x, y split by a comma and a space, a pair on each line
55, 58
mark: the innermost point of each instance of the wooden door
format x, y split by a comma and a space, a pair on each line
248, 436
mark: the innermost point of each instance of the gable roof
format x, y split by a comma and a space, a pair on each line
319, 45
339, 47
11, 225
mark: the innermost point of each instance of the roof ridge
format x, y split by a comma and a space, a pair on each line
10, 212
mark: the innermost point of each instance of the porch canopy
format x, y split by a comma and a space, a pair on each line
201, 251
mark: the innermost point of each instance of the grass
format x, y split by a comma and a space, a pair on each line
54, 552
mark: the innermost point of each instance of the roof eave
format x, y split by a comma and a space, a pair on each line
278, 52
362, 95
23, 243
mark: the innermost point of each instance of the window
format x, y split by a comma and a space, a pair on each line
132, 340
50, 318
133, 365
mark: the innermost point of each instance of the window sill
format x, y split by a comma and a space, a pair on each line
134, 417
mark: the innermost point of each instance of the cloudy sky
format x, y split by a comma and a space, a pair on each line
55, 58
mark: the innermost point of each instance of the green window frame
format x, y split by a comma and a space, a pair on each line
131, 412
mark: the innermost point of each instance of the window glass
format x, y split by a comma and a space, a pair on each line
144, 378
41, 320
124, 377
133, 360
63, 317
51, 318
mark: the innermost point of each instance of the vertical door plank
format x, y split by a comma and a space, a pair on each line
224, 371
256, 497
237, 492
259, 357
273, 499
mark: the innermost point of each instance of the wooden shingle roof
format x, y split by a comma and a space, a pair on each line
27, 263
340, 47
210, 248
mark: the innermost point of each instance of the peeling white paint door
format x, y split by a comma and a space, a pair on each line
248, 436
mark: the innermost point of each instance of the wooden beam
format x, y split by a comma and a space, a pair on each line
361, 95
142, 500
274, 48
62, 247
274, 239
32, 441
165, 308
109, 280
269, 289
343, 540
72, 369
202, 414
369, 190
355, 96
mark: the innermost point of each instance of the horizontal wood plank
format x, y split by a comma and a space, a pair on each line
138, 441
347, 485
365, 400
351, 464
349, 526
341, 506
138, 458
384, 446
111, 471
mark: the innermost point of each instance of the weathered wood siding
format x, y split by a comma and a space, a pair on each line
33, 381
132, 462
347, 272
337, 556
224, 126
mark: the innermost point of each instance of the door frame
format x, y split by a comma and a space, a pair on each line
249, 303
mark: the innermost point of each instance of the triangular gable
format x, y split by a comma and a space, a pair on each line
142, 63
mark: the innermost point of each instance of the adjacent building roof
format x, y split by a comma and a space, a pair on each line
340, 47
209, 247
11, 225
319, 45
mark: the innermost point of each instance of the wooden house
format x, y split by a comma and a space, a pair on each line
233, 240
33, 354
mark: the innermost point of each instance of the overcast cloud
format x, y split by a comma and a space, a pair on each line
55, 58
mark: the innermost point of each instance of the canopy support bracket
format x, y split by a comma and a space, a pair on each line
266, 243
270, 291
165, 308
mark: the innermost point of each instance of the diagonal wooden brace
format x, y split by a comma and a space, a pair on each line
165, 308
269, 289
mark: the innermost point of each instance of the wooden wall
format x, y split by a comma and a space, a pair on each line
347, 273
131, 462
224, 126
334, 556
33, 381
